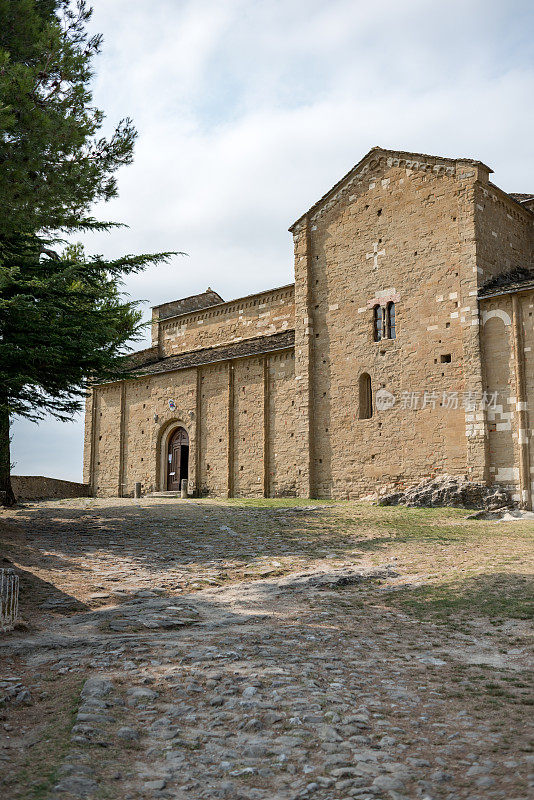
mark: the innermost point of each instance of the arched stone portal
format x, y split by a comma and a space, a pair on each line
177, 459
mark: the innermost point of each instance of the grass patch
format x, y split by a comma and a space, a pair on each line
33, 777
274, 502
467, 568
496, 596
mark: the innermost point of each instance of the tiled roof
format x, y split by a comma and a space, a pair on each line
521, 198
209, 355
515, 280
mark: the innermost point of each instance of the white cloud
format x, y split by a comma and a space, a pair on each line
249, 111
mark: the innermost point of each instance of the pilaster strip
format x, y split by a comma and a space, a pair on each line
92, 454
231, 402
522, 407
122, 439
266, 429
198, 430
310, 371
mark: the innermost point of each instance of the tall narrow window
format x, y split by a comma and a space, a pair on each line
378, 327
366, 397
390, 321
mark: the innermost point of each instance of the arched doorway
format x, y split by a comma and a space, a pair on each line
177, 459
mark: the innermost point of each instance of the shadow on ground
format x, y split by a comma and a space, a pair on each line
166, 534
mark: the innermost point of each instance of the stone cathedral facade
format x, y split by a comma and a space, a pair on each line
404, 349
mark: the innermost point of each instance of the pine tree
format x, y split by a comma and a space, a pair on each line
63, 321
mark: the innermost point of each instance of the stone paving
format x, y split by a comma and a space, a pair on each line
225, 652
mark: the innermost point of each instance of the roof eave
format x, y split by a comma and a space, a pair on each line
226, 302
520, 203
507, 290
218, 353
281, 349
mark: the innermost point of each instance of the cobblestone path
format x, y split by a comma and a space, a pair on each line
245, 652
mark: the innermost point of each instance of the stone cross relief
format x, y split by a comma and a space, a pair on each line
374, 255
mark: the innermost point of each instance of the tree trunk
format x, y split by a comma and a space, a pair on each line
7, 498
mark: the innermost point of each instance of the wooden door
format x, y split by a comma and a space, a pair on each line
177, 459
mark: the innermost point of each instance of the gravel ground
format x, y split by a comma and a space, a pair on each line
214, 650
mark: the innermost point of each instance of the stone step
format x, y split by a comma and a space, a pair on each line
164, 494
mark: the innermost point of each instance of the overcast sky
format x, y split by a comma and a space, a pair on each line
249, 110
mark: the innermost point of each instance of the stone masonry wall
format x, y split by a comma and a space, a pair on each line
38, 487
527, 313
282, 446
127, 437
258, 315
504, 231
143, 435
401, 232
106, 440
500, 376
505, 240
214, 430
500, 379
229, 431
304, 423
248, 428
88, 433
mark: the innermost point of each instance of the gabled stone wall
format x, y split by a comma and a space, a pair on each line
402, 232
257, 315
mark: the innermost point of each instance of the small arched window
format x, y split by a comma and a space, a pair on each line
378, 327
390, 321
366, 397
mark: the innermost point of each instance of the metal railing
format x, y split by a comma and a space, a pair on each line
9, 599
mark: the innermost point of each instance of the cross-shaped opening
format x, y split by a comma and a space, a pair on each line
375, 254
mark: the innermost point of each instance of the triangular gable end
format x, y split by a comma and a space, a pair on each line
435, 164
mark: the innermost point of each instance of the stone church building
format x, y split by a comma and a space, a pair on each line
404, 349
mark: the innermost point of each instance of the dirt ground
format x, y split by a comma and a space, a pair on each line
266, 649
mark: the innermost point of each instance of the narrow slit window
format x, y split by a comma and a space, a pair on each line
378, 327
390, 315
366, 397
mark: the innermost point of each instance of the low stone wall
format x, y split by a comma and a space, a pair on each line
37, 487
